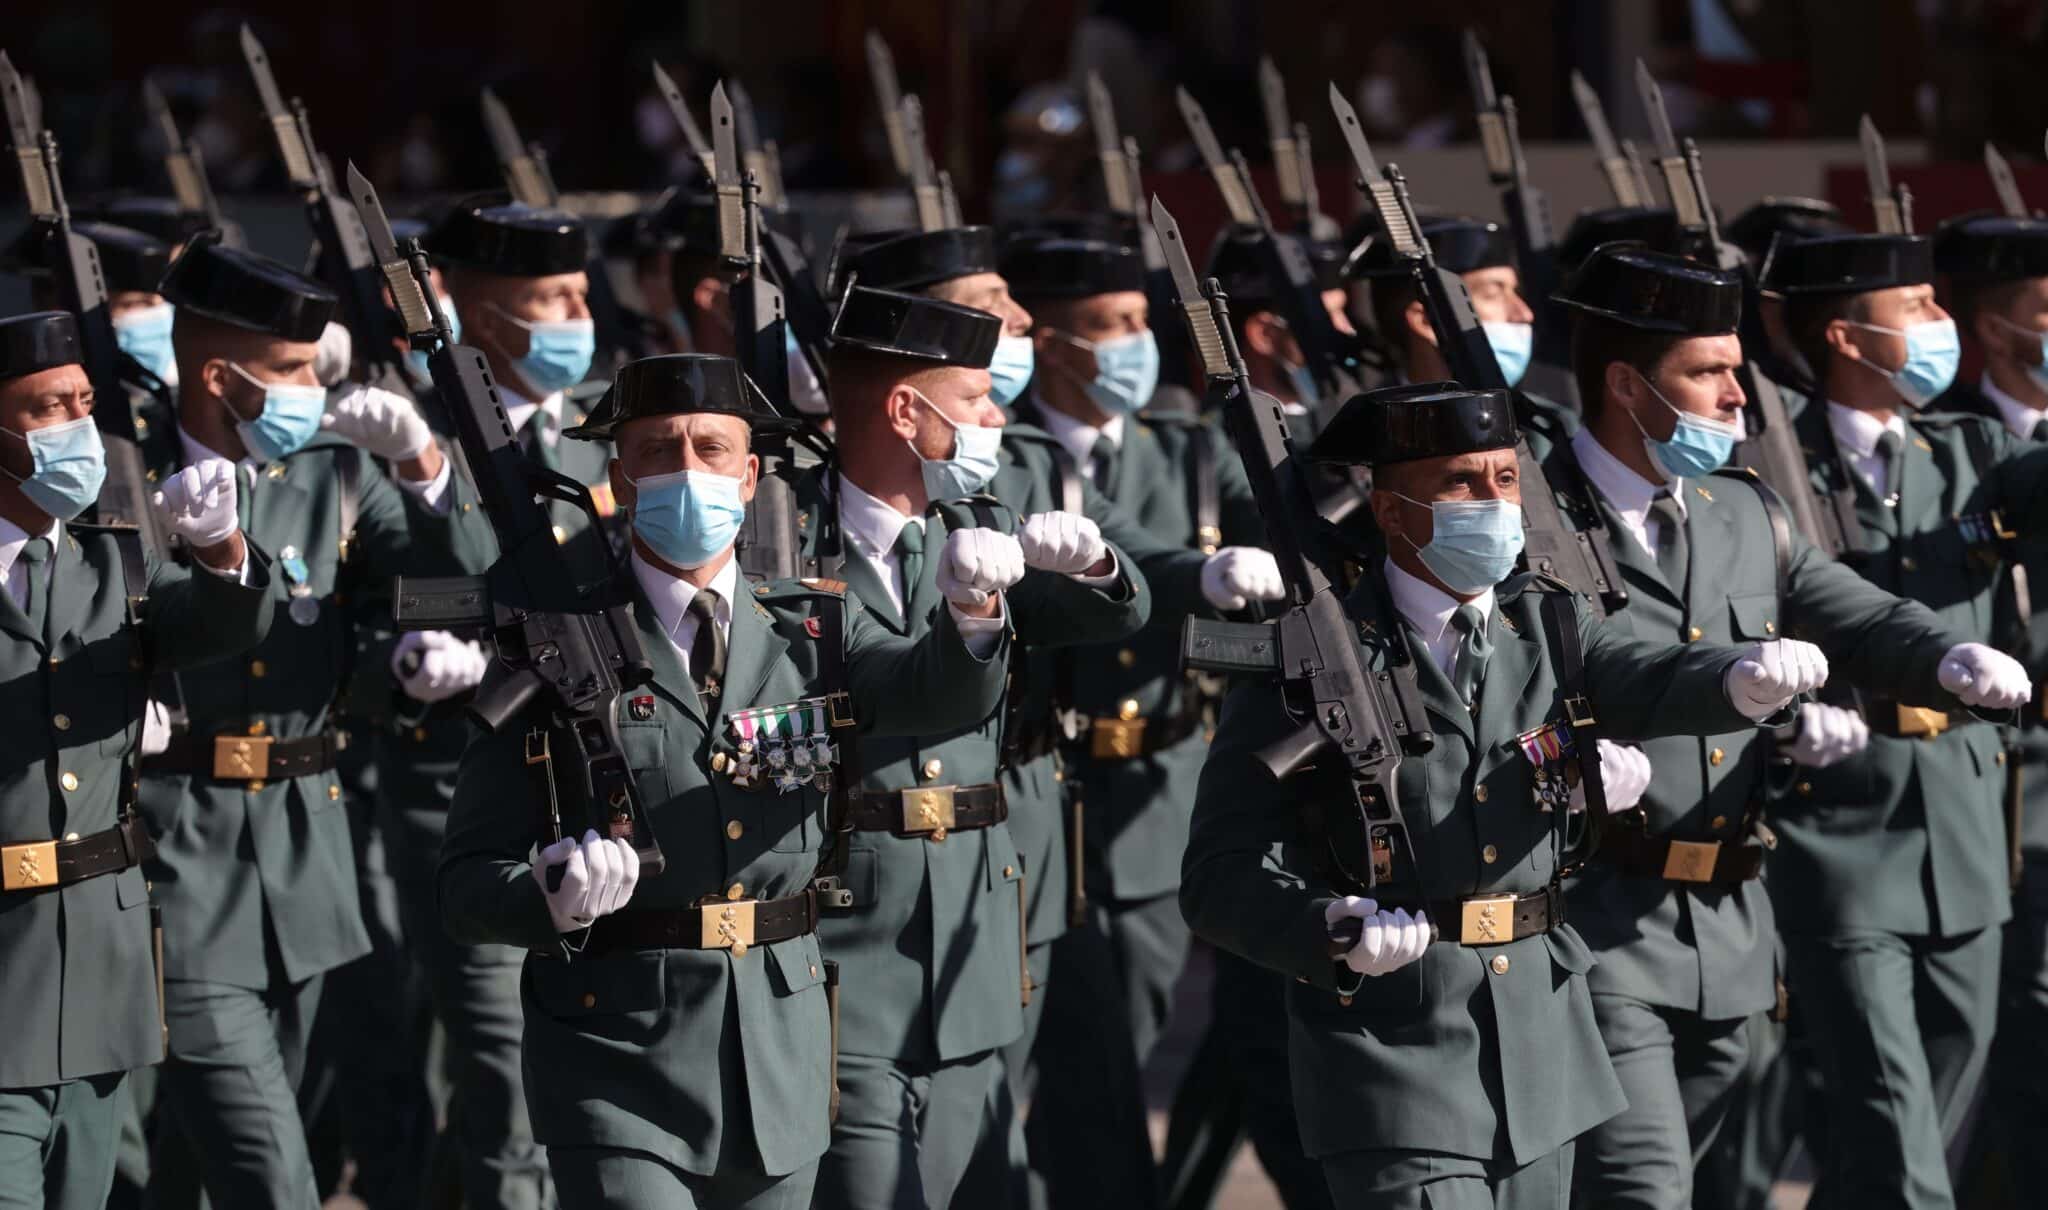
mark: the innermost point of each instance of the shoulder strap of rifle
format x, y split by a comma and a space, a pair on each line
2017, 584
1779, 515
348, 469
1568, 662
1203, 500
835, 677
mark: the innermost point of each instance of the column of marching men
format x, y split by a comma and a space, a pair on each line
943, 814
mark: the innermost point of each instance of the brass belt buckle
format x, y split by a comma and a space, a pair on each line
1691, 860
1118, 739
1919, 720
24, 867
242, 757
1487, 920
727, 926
928, 811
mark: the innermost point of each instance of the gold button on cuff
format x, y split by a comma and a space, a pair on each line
1694, 635
1716, 757
762, 591
257, 668
590, 999
1489, 854
1499, 964
933, 767
62, 722
735, 830
1127, 658
1479, 793
1009, 871
735, 891
2000, 758
69, 781
814, 970
1720, 821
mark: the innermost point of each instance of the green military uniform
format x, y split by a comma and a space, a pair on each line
1462, 1078
664, 1074
1886, 891
254, 865
75, 922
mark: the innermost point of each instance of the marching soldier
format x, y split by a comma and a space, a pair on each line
1275, 358
85, 618
1454, 1073
677, 1035
1671, 904
254, 865
1890, 875
933, 938
1997, 274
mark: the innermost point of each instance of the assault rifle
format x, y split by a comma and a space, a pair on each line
685, 121
1891, 204
1291, 167
1528, 210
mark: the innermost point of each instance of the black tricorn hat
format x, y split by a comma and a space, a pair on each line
678, 384
492, 234
1992, 247
129, 259
40, 340
1058, 267
1848, 264
1784, 218
1459, 243
1238, 263
240, 287
691, 216
912, 260
1417, 420
636, 233
911, 325
1653, 226
160, 217
1631, 285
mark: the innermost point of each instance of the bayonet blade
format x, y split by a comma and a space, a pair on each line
1368, 168
753, 155
1637, 172
924, 185
406, 295
181, 159
159, 111
1279, 132
1201, 320
1479, 71
1877, 174
1670, 160
680, 111
732, 218
1219, 165
1311, 199
1109, 151
1608, 153
284, 125
524, 175
889, 95
32, 102
41, 191
1494, 143
1653, 107
2002, 181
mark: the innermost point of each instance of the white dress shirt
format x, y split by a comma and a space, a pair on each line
871, 527
1079, 439
2020, 418
1626, 491
671, 599
1429, 610
1856, 433
13, 540
519, 409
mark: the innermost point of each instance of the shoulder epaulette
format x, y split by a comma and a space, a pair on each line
809, 586
1738, 472
1537, 581
584, 391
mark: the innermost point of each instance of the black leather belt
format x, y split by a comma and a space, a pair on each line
1496, 919
247, 757
43, 864
931, 811
714, 924
1718, 862
1900, 721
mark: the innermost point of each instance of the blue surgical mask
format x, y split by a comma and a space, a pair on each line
1699, 445
688, 517
2038, 371
1933, 351
70, 464
973, 462
418, 358
1512, 344
289, 419
1126, 371
558, 352
145, 335
1010, 369
1473, 544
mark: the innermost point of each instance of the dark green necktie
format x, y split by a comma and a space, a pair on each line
538, 428
35, 564
910, 560
1473, 648
1102, 464
1889, 447
1673, 552
707, 649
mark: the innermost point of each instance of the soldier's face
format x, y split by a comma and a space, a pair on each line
489, 299
1491, 475
986, 292
955, 394
711, 442
2014, 331
123, 302
1696, 376
1897, 308
37, 401
1497, 296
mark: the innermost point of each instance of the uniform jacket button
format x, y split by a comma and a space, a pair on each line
1716, 757
1479, 794
735, 891
933, 767
1500, 964
590, 999
62, 722
735, 830
69, 780
1489, 854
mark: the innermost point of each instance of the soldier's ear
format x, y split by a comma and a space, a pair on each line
213, 377
900, 410
750, 478
1622, 385
1836, 337
1418, 323
624, 494
1262, 334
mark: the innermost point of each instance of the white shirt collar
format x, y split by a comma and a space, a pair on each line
871, 525
1857, 432
13, 540
519, 409
1625, 489
2020, 418
1427, 607
671, 596
1079, 438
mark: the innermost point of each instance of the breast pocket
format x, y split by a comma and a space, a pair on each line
618, 986
103, 696
645, 749
1754, 616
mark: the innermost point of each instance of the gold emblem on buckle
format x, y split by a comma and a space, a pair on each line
1118, 738
928, 811
24, 867
1487, 920
727, 926
1919, 720
242, 757
1691, 860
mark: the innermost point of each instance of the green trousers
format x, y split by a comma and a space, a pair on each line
1679, 1072
57, 1143
906, 1132
1000, 1172
608, 1178
1409, 1180
1901, 1027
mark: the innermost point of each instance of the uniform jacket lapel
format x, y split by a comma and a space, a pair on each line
669, 678
753, 648
71, 586
1637, 565
1508, 672
866, 581
1710, 530
1438, 697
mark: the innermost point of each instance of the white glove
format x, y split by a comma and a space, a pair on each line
1387, 941
385, 424
1984, 677
977, 564
598, 876
1769, 675
1624, 775
198, 503
331, 361
156, 728
1238, 575
1825, 735
1066, 544
433, 665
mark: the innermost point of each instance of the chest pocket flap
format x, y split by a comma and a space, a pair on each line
1754, 615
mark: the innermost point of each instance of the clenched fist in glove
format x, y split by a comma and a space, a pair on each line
1624, 775
1238, 575
589, 878
1067, 544
1387, 941
1984, 677
1769, 675
199, 503
433, 665
976, 566
1825, 735
376, 420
